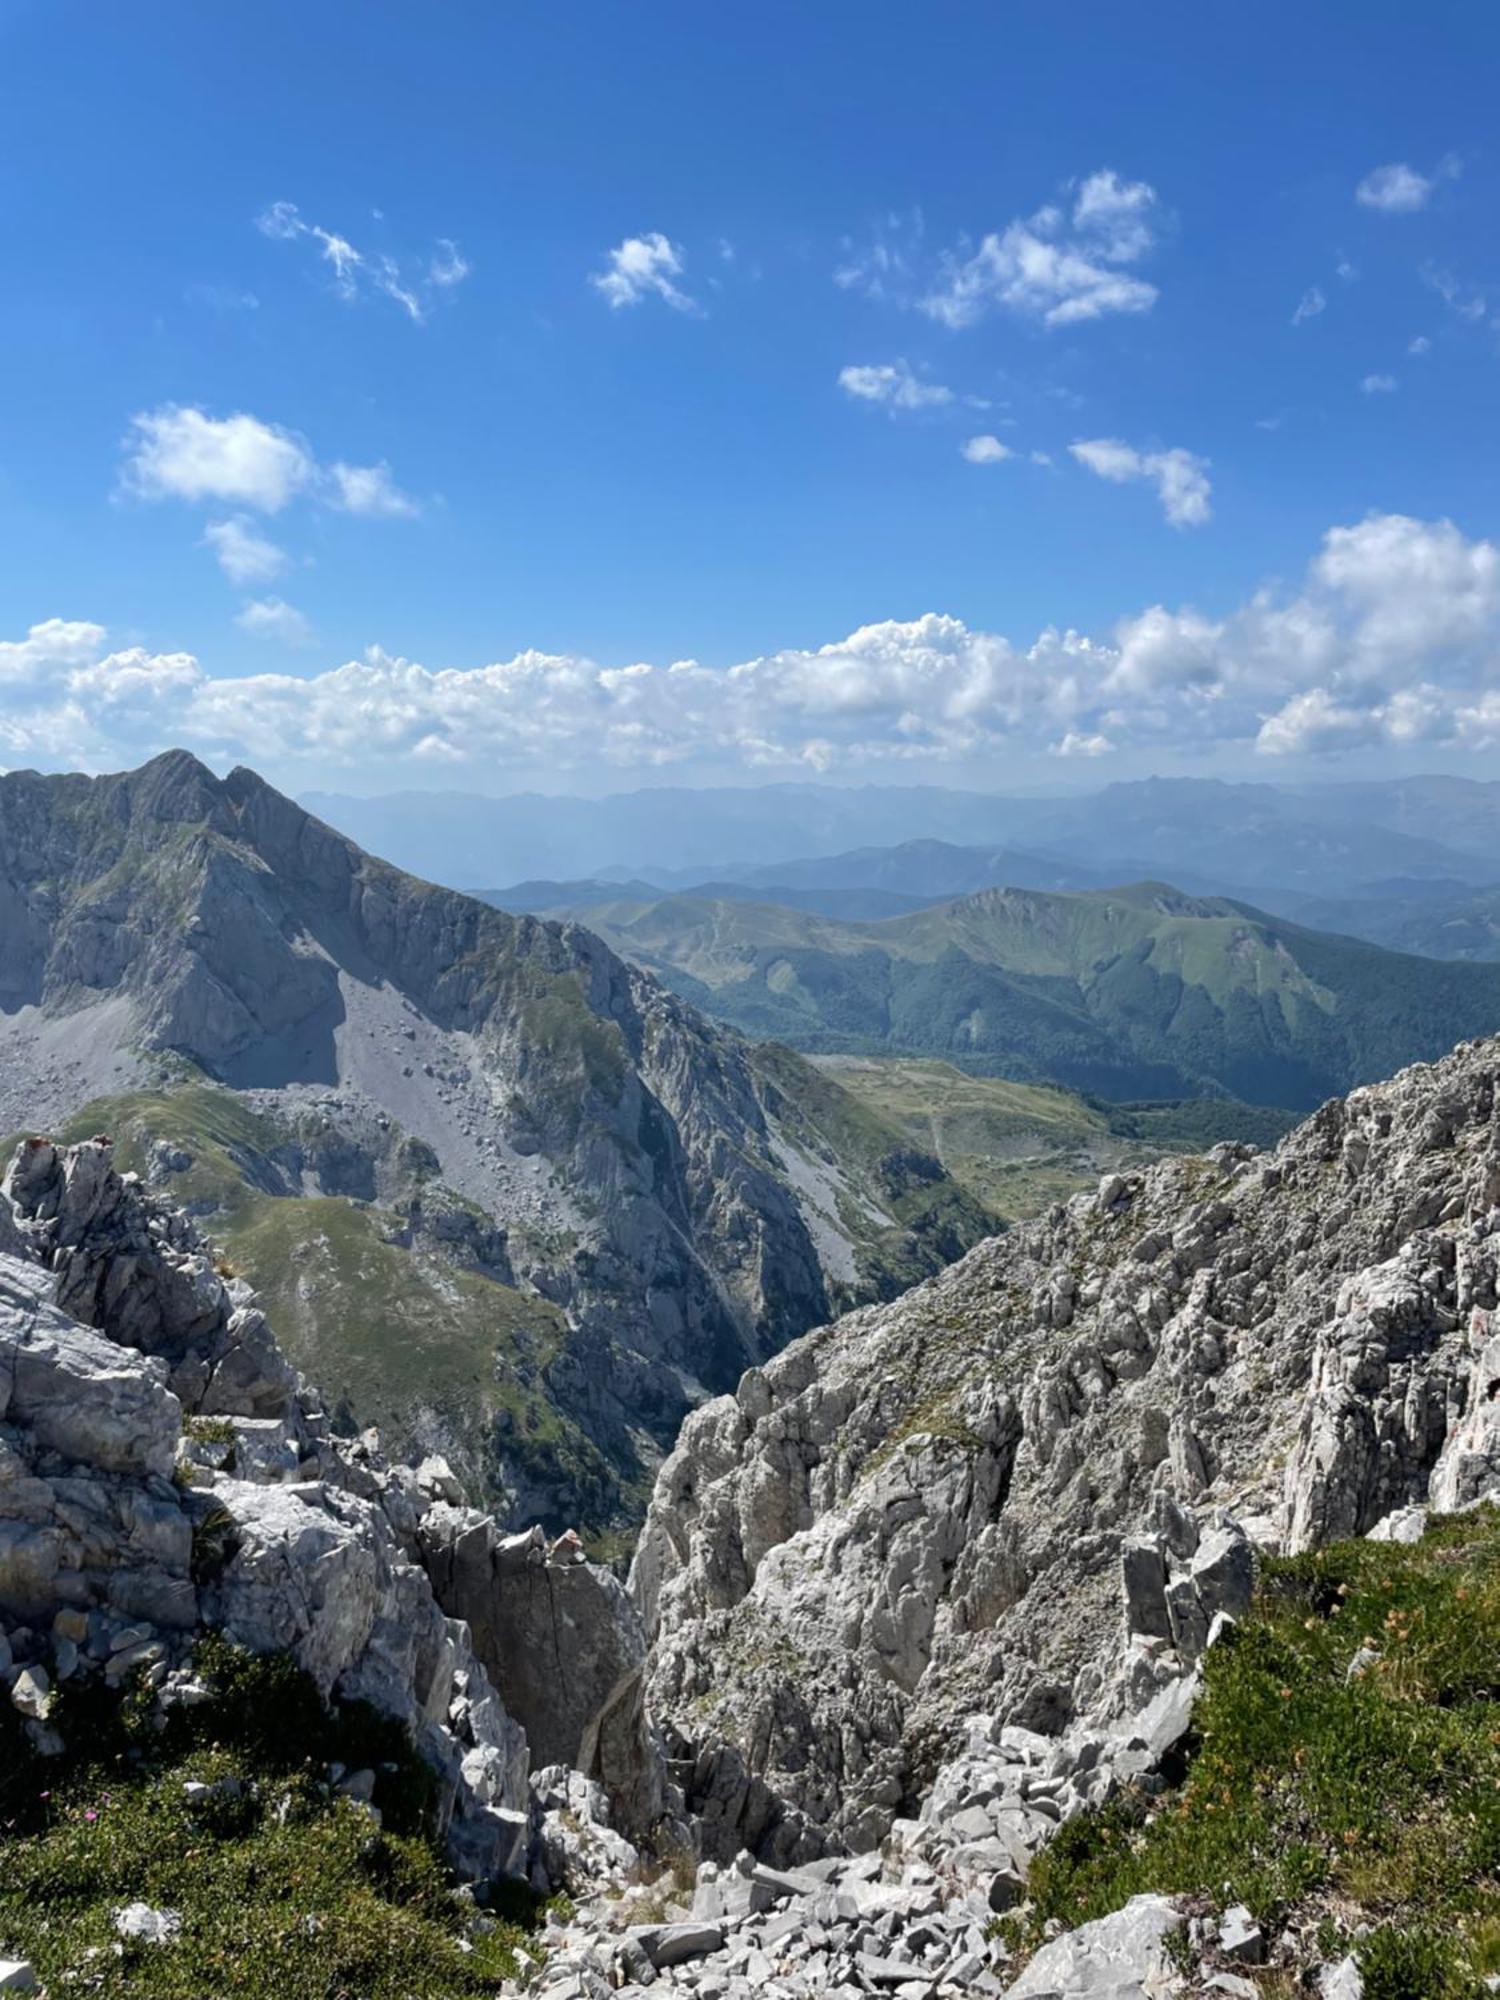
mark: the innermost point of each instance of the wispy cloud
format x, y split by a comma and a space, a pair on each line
644, 267
1398, 189
1060, 266
886, 266
244, 554
985, 450
369, 490
893, 384
1466, 300
1378, 385
271, 618
355, 273
1180, 477
1311, 303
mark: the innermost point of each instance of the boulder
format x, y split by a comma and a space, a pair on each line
1119, 1957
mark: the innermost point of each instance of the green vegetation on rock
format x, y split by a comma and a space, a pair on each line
1343, 1773
1019, 1147
282, 1888
1126, 993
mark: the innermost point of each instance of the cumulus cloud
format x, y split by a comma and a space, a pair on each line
1378, 385
1062, 265
1180, 477
1390, 639
354, 273
244, 554
1398, 189
985, 450
1311, 303
272, 618
893, 384
644, 267
182, 453
369, 490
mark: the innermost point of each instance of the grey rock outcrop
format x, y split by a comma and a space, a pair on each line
564, 1645
946, 1506
128, 1523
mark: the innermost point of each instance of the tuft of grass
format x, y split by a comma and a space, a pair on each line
1309, 1795
285, 1890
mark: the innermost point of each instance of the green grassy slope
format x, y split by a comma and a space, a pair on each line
283, 1890
1019, 1147
436, 1355
1133, 993
1363, 1812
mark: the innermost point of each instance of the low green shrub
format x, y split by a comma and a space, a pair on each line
285, 1890
1310, 1792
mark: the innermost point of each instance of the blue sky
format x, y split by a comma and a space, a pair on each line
573, 338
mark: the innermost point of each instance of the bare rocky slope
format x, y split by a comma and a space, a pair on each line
917, 1514
606, 1206
945, 1576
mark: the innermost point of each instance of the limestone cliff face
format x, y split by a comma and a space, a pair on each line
633, 1154
918, 1513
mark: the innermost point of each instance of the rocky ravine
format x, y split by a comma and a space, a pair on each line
940, 1577
682, 1205
918, 1512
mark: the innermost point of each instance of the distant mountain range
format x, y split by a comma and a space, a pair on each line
1434, 917
505, 1192
1269, 843
1129, 993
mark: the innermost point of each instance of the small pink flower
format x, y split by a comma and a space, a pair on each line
91, 1817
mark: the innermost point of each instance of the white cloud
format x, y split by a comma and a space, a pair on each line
985, 451
182, 453
178, 452
1464, 299
369, 490
1398, 189
56, 646
1419, 344
1311, 303
644, 267
1057, 267
448, 266
1180, 477
1391, 639
355, 272
1378, 385
243, 553
893, 384
1315, 722
885, 267
273, 618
